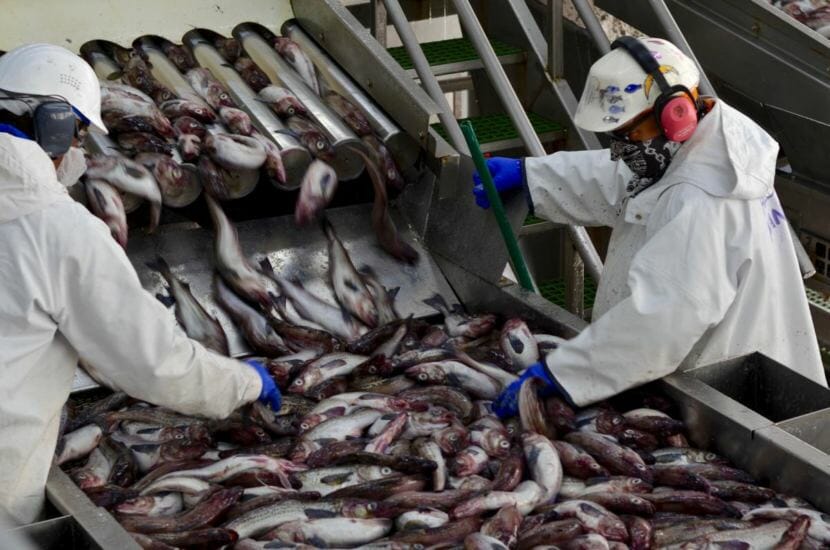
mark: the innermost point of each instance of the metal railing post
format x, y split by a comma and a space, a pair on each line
379, 22
511, 103
592, 24
428, 80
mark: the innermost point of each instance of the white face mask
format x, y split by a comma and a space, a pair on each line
72, 166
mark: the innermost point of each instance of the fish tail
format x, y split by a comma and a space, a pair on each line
438, 303
160, 265
327, 228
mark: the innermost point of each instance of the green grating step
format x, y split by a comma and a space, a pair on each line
496, 132
554, 291
818, 298
532, 220
448, 52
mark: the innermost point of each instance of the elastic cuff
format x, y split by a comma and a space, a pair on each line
526, 189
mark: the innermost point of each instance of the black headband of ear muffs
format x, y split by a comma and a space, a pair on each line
644, 58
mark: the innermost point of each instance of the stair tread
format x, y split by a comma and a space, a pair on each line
499, 127
454, 50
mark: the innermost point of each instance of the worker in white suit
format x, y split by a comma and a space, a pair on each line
700, 265
69, 290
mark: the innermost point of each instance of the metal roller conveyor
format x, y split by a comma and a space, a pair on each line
403, 148
295, 157
165, 71
347, 164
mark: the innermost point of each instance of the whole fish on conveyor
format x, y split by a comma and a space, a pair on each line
118, 123
383, 158
188, 125
130, 177
179, 55
236, 120
137, 73
382, 223
177, 108
504, 526
259, 334
123, 105
459, 324
199, 516
384, 299
469, 461
348, 286
460, 374
235, 152
208, 88
191, 315
349, 112
329, 532
179, 185
251, 74
316, 191
142, 142
229, 48
526, 496
282, 101
311, 136
152, 505
105, 203
274, 166
231, 263
292, 53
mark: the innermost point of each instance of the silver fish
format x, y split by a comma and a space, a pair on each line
282, 101
210, 89
130, 177
325, 368
192, 316
518, 343
430, 450
143, 142
525, 497
328, 480
459, 324
235, 152
166, 504
79, 443
179, 185
348, 286
259, 334
106, 203
458, 374
350, 114
292, 53
384, 160
176, 108
382, 223
231, 263
329, 532
124, 105
316, 191
543, 461
236, 120
274, 166
189, 145
94, 473
312, 137
384, 299
422, 518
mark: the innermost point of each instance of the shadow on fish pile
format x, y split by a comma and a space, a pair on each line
386, 439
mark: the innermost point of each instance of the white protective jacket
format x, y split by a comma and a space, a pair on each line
68, 291
700, 266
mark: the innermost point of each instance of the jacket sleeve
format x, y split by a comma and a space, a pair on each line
682, 282
576, 187
128, 337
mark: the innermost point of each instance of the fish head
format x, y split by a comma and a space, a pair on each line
497, 443
183, 450
189, 125
162, 94
87, 479
426, 373
453, 438
303, 383
302, 450
610, 422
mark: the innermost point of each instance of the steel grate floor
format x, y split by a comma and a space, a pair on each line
444, 52
499, 127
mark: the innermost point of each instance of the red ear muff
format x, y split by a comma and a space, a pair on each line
678, 118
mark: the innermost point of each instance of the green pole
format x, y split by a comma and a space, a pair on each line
516, 258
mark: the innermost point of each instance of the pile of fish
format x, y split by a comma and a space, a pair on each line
168, 148
386, 439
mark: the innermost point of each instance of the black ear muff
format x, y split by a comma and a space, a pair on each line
54, 127
675, 109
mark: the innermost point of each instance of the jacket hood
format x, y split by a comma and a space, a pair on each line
728, 156
28, 181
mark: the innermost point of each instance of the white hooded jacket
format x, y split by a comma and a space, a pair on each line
700, 266
68, 291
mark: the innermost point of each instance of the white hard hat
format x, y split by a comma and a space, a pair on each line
48, 70
618, 90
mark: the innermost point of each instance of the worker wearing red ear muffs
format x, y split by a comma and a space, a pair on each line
700, 266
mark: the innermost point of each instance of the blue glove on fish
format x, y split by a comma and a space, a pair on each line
270, 394
507, 174
507, 403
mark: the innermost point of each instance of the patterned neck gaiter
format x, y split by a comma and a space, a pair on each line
648, 160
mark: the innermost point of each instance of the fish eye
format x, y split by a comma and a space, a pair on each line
452, 437
422, 377
223, 96
386, 470
504, 444
372, 506
391, 174
290, 111
304, 426
298, 382
179, 436
321, 144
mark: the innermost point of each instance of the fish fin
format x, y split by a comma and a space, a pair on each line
336, 479
115, 75
328, 229
438, 303
267, 268
287, 132
393, 293
316, 513
145, 447
159, 264
167, 299
457, 309
347, 317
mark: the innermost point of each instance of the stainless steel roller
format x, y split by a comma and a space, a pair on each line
295, 157
403, 148
346, 164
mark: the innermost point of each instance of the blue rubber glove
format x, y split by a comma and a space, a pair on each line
507, 403
270, 394
507, 174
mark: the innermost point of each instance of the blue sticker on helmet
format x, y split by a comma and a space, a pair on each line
631, 88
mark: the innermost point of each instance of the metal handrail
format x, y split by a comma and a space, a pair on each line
428, 79
518, 116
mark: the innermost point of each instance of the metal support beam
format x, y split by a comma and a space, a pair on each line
556, 43
510, 101
574, 281
428, 79
591, 21
379, 22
